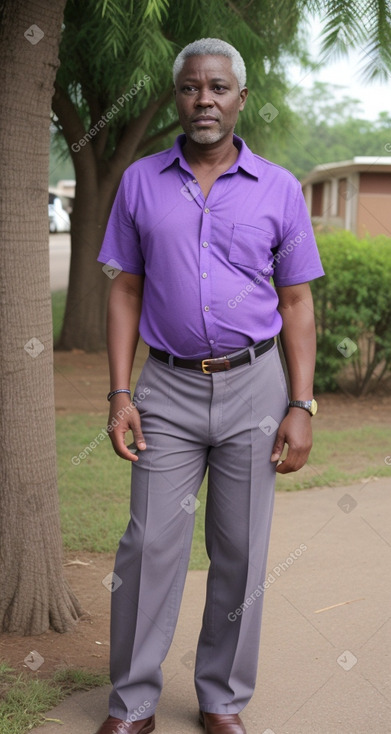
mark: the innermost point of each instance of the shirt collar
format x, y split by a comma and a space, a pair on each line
245, 159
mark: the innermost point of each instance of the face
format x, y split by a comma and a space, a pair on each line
208, 99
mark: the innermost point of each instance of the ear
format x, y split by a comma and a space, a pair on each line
243, 96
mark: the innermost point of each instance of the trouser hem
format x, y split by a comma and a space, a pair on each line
124, 715
223, 708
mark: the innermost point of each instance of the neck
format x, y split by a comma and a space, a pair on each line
222, 153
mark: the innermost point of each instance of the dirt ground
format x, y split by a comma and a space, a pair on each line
81, 385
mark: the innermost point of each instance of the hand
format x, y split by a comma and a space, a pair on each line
296, 431
124, 416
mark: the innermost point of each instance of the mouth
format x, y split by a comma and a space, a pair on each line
205, 121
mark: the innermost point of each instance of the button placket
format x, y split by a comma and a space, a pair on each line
205, 255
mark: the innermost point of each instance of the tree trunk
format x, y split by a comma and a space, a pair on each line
84, 324
34, 594
97, 182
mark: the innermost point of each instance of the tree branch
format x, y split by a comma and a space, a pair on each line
147, 142
100, 139
73, 131
134, 132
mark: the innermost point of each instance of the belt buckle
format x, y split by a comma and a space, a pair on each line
215, 362
205, 367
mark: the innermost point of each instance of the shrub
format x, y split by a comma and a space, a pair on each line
352, 302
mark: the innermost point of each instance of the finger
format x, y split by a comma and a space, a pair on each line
138, 434
277, 448
295, 460
120, 448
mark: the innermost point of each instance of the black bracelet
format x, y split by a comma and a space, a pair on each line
115, 392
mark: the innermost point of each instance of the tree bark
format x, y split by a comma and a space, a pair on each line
34, 594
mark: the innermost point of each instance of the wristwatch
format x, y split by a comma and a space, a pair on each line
310, 405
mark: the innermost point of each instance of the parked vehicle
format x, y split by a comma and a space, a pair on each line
58, 217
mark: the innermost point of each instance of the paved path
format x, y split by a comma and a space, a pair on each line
319, 673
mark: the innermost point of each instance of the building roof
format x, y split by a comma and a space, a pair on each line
363, 163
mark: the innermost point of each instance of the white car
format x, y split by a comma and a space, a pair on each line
58, 217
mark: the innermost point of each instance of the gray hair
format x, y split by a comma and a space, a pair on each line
212, 47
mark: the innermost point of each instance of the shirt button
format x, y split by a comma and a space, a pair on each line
205, 244
211, 341
204, 275
206, 210
194, 180
206, 308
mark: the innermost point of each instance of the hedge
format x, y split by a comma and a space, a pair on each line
353, 311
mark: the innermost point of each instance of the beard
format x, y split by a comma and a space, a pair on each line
205, 137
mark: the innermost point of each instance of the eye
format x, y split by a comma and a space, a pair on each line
218, 88
188, 89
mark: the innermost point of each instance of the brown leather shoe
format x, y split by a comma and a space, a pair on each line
222, 723
117, 726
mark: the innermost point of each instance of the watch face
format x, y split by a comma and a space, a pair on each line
314, 407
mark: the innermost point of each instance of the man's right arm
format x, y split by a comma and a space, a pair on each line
123, 317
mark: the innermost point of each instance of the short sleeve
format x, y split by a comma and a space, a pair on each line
296, 258
121, 243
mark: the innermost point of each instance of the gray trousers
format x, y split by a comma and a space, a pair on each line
191, 421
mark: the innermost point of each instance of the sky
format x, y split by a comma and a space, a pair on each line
374, 97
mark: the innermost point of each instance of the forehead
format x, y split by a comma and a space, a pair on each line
207, 66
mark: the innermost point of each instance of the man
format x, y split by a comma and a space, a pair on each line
197, 231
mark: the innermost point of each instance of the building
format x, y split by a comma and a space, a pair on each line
354, 195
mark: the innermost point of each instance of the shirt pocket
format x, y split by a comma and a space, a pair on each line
251, 247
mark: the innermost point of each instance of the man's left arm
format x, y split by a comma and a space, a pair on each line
298, 339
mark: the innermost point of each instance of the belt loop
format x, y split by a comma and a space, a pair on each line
171, 361
252, 354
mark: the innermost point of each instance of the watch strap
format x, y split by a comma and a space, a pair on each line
308, 405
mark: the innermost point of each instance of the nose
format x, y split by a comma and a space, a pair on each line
204, 98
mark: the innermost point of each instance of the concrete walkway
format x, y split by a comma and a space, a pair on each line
322, 670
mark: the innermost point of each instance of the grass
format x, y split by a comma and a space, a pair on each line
341, 457
25, 699
58, 309
94, 491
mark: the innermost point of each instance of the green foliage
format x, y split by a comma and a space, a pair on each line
109, 45
352, 301
366, 26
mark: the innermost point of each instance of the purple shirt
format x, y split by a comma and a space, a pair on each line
208, 264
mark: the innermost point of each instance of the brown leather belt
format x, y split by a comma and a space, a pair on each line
216, 364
